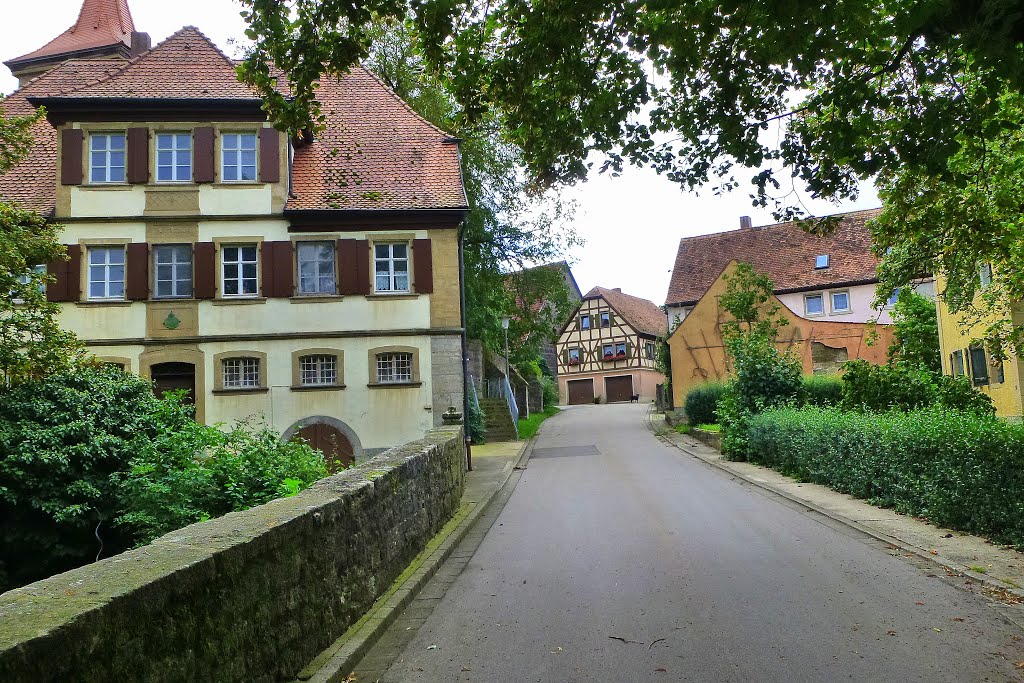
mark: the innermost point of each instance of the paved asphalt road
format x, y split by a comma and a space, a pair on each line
638, 563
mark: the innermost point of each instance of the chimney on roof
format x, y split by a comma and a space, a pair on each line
618, 289
141, 42
745, 222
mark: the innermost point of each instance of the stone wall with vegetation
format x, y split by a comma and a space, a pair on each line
251, 596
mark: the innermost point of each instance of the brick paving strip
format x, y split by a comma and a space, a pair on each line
959, 553
410, 598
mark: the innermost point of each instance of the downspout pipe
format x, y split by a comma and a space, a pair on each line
465, 346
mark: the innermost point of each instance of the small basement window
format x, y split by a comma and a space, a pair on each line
821, 261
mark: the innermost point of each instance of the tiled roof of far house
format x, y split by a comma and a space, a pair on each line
783, 251
101, 23
33, 183
643, 315
186, 66
376, 153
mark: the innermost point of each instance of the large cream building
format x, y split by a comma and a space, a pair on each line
310, 283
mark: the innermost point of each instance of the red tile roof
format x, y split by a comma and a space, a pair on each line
101, 23
644, 316
33, 182
376, 153
784, 252
186, 66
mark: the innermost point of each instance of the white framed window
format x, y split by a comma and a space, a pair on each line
394, 368
620, 349
893, 299
316, 268
238, 157
840, 301
574, 356
607, 350
106, 158
241, 373
318, 370
174, 157
239, 271
584, 322
391, 265
106, 273
649, 350
985, 275
606, 319
814, 304
821, 261
172, 268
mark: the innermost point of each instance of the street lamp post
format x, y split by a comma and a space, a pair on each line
508, 369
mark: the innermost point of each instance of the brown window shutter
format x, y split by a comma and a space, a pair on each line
276, 264
202, 155
138, 156
354, 267
267, 288
205, 272
71, 156
423, 266
284, 274
136, 285
270, 155
66, 274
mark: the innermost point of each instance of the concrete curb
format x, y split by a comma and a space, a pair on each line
334, 664
958, 569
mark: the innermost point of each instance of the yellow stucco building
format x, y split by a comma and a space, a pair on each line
962, 357
311, 283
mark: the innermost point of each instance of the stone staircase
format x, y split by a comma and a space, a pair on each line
499, 420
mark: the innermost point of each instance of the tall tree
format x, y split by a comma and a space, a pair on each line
512, 224
914, 92
31, 342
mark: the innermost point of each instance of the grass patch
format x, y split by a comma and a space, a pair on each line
528, 427
709, 428
683, 429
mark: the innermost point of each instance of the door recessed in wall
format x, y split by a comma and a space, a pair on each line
173, 377
337, 449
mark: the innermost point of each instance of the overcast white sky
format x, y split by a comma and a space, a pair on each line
631, 224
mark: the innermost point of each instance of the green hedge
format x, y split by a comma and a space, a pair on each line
822, 390
960, 470
702, 402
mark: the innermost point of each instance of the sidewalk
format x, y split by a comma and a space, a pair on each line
493, 465
975, 558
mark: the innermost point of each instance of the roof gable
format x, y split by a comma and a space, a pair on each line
186, 66
643, 315
784, 252
101, 23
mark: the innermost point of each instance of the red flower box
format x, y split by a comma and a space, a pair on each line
574, 361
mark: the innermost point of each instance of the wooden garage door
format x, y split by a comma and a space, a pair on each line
580, 391
618, 388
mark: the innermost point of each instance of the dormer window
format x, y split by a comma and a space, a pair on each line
106, 158
821, 261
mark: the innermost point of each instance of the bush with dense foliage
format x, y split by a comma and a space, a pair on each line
551, 396
901, 387
93, 463
701, 404
822, 390
960, 470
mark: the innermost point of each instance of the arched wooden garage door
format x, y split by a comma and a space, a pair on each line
618, 388
335, 446
580, 391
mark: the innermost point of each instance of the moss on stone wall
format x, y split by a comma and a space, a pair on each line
251, 596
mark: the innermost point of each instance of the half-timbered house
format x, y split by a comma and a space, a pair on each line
607, 351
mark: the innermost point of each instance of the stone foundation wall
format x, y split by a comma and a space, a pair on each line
252, 596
